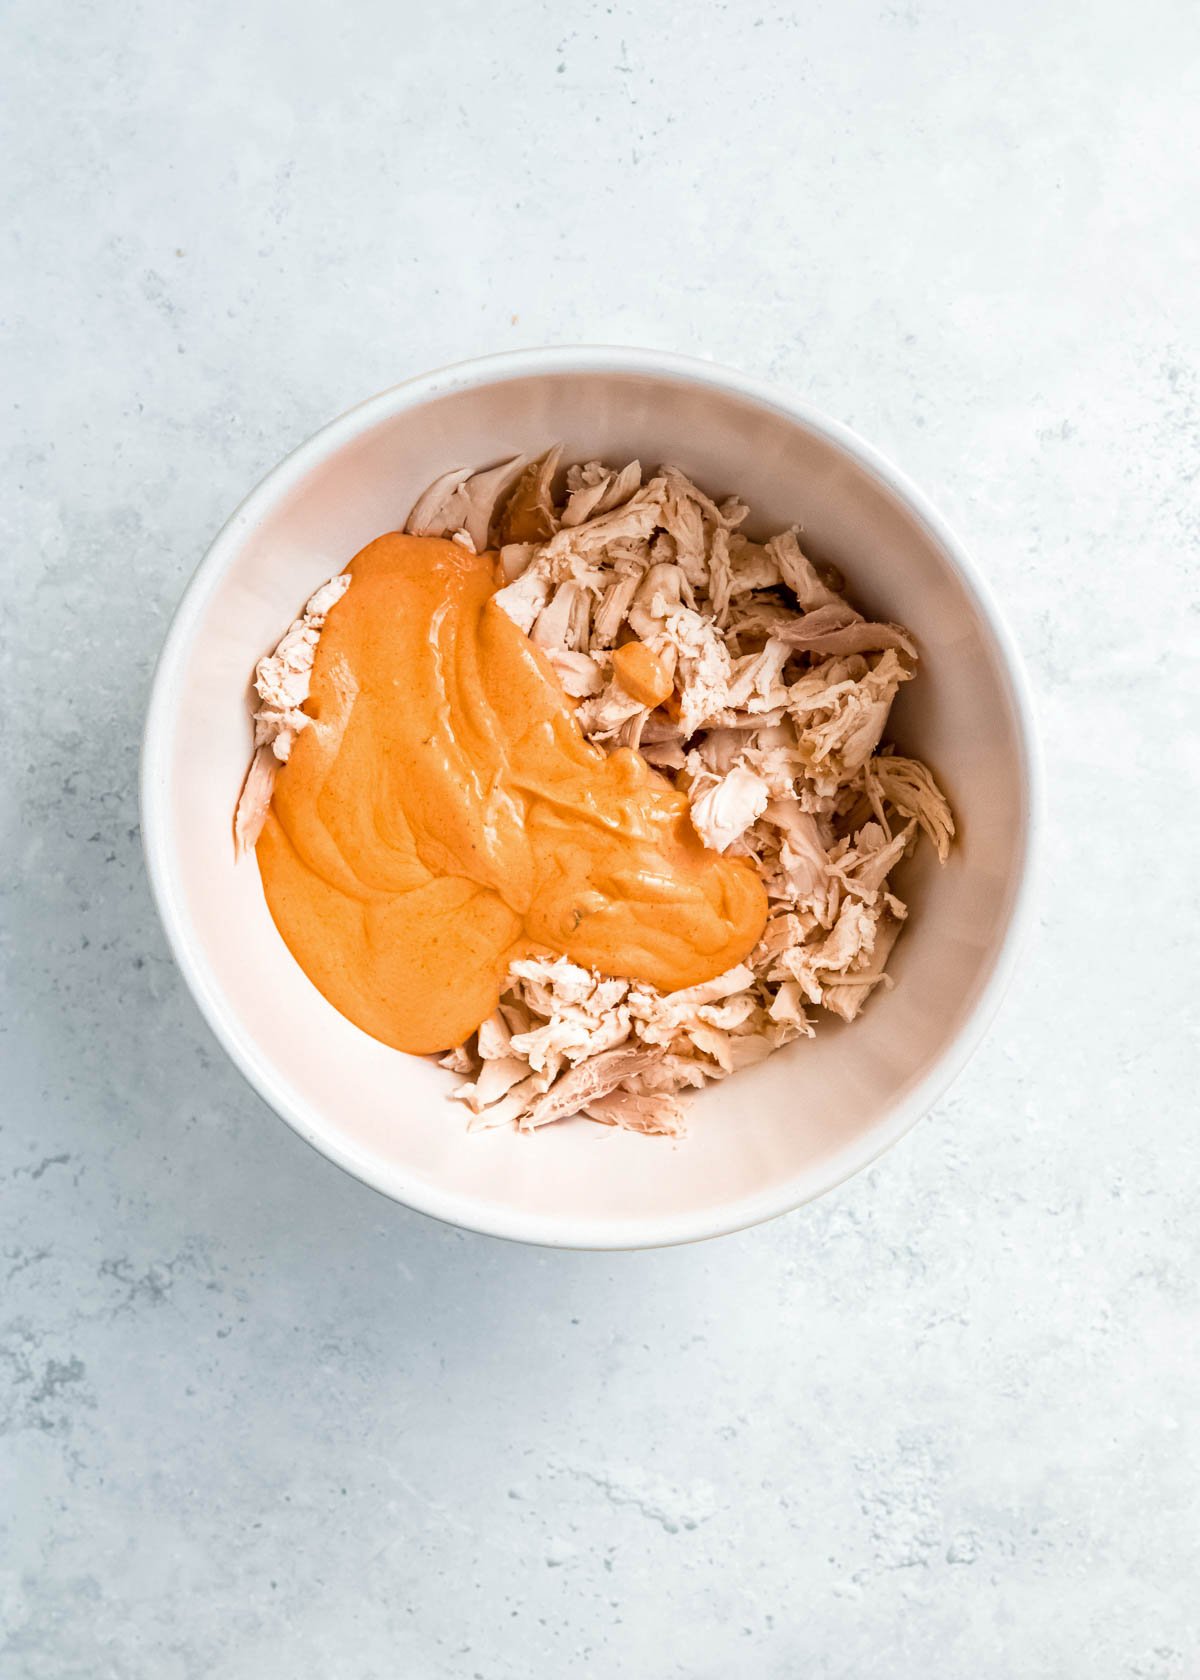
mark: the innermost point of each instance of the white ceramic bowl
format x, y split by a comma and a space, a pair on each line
776, 1135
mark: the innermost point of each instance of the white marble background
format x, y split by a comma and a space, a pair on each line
259, 1423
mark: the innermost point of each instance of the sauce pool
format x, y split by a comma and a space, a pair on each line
444, 814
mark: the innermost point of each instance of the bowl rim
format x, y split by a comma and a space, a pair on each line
468, 1212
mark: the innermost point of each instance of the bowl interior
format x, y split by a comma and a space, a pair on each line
774, 1135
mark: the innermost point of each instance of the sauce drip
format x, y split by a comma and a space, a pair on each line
444, 814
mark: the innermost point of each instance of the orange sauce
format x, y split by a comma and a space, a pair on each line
641, 674
444, 814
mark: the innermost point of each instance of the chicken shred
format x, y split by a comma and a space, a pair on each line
281, 680
774, 728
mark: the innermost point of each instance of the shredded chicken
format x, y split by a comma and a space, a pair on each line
742, 673
779, 697
281, 680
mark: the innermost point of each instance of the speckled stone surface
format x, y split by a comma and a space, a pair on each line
257, 1422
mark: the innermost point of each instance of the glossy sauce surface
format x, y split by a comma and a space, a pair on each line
444, 814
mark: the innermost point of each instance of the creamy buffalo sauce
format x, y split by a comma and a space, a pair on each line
444, 814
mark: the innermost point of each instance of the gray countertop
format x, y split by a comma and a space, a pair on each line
259, 1423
